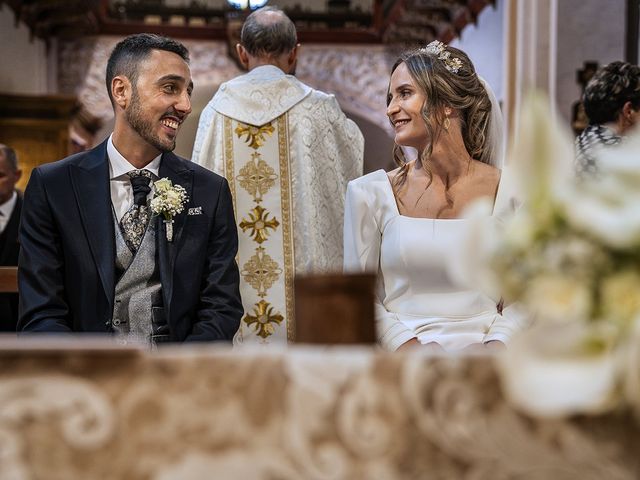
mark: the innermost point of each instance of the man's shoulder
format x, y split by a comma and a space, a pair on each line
318, 99
320, 96
60, 166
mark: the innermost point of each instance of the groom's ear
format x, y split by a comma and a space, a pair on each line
121, 91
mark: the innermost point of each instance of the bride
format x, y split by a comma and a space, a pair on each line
407, 224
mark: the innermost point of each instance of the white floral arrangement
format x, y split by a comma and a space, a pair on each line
571, 256
168, 200
572, 251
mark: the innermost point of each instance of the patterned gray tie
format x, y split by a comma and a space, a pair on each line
134, 222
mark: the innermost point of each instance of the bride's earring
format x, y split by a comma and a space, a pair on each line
446, 124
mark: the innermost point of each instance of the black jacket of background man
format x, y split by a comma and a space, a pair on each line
9, 249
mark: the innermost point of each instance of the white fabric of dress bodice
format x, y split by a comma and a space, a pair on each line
417, 296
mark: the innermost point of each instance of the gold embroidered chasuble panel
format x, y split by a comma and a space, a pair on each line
257, 167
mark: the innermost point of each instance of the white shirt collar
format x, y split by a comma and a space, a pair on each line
267, 70
7, 207
118, 165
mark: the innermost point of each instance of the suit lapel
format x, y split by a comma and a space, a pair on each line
176, 170
90, 181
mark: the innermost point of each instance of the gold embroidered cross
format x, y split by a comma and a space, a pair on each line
258, 223
255, 135
257, 177
263, 319
261, 271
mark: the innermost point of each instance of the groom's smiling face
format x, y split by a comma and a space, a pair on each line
160, 99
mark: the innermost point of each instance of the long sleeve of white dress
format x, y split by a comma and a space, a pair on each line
362, 241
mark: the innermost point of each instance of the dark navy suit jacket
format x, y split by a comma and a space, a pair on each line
9, 249
66, 274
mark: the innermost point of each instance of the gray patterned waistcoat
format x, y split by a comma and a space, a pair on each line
137, 310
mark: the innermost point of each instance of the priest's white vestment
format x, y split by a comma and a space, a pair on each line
288, 152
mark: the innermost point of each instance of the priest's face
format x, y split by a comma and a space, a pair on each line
160, 99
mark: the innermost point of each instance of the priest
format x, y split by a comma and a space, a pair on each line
288, 152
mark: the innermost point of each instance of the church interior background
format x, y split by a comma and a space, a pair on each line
56, 51
92, 412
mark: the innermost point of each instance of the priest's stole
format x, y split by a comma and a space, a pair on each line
257, 168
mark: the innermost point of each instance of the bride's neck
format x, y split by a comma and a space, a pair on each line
449, 161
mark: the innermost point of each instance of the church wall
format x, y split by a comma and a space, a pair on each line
483, 42
360, 86
588, 30
24, 61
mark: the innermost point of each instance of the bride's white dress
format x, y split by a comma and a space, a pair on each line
417, 296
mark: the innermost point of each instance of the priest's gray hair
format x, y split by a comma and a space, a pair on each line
268, 32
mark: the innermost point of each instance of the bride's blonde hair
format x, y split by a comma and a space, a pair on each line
443, 86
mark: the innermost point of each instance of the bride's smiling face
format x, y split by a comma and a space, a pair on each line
404, 109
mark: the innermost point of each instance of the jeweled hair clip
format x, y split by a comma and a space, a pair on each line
439, 49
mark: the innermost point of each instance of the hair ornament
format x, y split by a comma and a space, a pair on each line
439, 49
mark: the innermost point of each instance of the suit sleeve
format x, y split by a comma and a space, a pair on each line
220, 308
43, 306
362, 241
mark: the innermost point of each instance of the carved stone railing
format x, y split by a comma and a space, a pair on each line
86, 410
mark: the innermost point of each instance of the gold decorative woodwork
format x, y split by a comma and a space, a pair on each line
37, 128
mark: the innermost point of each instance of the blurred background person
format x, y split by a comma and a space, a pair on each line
10, 207
611, 101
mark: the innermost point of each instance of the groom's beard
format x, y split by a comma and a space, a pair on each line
144, 126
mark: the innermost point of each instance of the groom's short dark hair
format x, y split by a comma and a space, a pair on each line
127, 55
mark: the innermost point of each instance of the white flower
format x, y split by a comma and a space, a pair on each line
162, 185
542, 156
554, 297
571, 256
606, 208
168, 200
620, 296
519, 231
555, 375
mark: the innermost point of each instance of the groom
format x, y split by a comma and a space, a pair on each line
94, 256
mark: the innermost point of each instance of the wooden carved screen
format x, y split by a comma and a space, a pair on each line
37, 127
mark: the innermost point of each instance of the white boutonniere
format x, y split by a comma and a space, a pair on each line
168, 200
